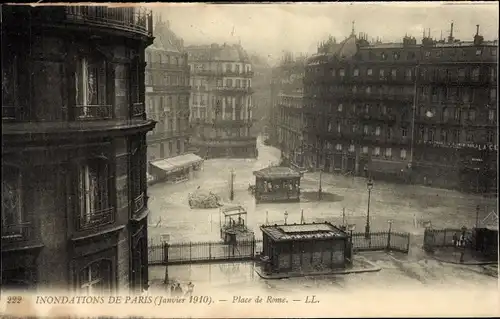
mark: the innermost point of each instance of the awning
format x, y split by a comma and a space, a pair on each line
177, 163
388, 166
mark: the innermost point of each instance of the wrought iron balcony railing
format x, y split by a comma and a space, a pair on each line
95, 219
139, 203
138, 109
9, 113
93, 112
136, 19
16, 233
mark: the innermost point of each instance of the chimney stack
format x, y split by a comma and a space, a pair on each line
477, 29
450, 38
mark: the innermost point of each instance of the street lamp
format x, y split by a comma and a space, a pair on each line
231, 193
351, 228
320, 180
369, 185
389, 234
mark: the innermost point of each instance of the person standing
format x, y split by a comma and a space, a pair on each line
190, 288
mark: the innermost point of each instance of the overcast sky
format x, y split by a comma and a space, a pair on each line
269, 29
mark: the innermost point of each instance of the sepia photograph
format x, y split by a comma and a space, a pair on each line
210, 160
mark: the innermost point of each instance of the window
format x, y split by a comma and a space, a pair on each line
10, 86
367, 108
383, 56
366, 129
431, 134
421, 133
469, 137
229, 83
228, 67
338, 147
456, 136
408, 74
475, 74
446, 114
388, 152
355, 72
396, 56
493, 95
461, 74
341, 72
403, 154
333, 72
427, 54
479, 52
493, 76
11, 202
90, 86
354, 89
339, 107
368, 90
458, 114
491, 115
410, 56
389, 133
238, 83
365, 149
339, 127
383, 109
494, 51
472, 115
439, 53
95, 279
490, 137
393, 73
352, 148
93, 194
237, 68
369, 72
377, 131
376, 151
404, 132
382, 73
354, 108
444, 136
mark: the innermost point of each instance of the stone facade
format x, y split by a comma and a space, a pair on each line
74, 202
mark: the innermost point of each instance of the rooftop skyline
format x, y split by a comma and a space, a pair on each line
271, 29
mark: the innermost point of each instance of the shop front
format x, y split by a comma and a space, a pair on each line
176, 169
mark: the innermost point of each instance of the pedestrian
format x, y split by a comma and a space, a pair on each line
178, 290
455, 240
190, 288
172, 289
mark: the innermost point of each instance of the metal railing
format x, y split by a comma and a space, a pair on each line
9, 112
16, 233
136, 19
138, 203
138, 109
195, 252
95, 219
93, 112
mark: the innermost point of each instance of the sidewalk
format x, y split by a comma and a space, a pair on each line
452, 255
359, 265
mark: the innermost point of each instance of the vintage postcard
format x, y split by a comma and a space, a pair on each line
168, 160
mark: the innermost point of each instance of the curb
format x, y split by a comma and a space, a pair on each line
373, 268
474, 263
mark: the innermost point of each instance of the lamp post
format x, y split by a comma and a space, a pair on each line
231, 192
369, 185
389, 234
351, 228
320, 180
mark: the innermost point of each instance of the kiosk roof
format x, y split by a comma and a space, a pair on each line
303, 231
277, 172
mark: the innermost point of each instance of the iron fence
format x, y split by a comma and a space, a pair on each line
440, 237
194, 252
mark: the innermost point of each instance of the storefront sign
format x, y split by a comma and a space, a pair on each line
480, 147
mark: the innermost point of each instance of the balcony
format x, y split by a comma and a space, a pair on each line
166, 66
9, 113
93, 112
16, 233
138, 110
139, 203
95, 219
137, 20
230, 89
161, 136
